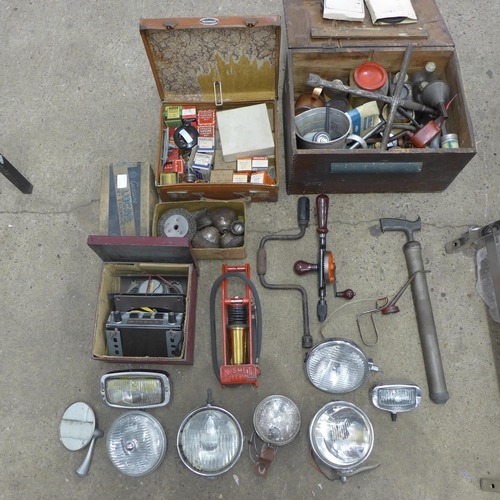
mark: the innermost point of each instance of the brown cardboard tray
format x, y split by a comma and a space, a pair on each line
192, 206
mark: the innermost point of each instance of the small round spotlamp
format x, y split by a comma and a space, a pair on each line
341, 436
136, 443
277, 420
209, 441
337, 366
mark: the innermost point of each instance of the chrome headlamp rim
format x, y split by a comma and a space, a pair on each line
163, 376
262, 403
161, 434
367, 363
235, 458
339, 468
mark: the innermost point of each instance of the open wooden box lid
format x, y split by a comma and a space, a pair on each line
307, 29
143, 249
189, 55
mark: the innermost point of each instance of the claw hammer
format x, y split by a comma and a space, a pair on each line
423, 308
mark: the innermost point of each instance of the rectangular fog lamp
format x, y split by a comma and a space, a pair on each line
396, 398
135, 389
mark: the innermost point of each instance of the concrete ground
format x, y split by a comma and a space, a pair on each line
77, 92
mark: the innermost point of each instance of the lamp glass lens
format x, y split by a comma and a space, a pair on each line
341, 435
136, 443
210, 441
277, 420
134, 391
397, 399
336, 367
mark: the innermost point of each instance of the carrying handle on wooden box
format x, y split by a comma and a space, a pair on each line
242, 199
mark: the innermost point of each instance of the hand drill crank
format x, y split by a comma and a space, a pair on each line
326, 264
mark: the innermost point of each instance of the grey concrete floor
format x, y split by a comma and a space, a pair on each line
77, 92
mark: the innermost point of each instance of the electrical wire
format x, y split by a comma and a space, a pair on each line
213, 326
315, 465
338, 309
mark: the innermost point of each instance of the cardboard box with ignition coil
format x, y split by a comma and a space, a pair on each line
332, 49
146, 306
243, 71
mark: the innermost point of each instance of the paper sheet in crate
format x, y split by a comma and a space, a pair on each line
128, 199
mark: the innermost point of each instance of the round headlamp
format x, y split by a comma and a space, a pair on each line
277, 420
209, 441
341, 436
337, 366
136, 443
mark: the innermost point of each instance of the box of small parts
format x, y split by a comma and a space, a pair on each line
334, 50
147, 300
217, 79
216, 229
128, 199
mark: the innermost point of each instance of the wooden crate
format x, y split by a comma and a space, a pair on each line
333, 56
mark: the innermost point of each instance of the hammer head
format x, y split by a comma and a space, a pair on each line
407, 226
314, 80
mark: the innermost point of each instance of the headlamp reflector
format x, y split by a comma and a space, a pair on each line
136, 443
341, 435
277, 420
209, 441
337, 366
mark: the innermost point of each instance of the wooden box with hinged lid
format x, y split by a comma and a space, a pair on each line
332, 49
146, 306
215, 64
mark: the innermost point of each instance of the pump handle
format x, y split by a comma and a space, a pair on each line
322, 201
303, 210
407, 226
303, 267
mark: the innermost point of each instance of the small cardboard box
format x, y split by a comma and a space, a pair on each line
128, 199
129, 256
193, 206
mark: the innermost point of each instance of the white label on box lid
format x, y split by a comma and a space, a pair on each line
121, 181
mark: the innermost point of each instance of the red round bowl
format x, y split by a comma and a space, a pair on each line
370, 76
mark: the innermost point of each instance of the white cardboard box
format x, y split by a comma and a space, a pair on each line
245, 132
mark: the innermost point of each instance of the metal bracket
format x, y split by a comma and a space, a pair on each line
482, 236
218, 87
250, 21
170, 24
266, 458
114, 342
490, 485
178, 195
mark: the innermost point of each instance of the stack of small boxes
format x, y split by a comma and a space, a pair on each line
235, 150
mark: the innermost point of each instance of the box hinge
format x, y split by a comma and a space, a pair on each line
178, 195
255, 194
250, 21
219, 101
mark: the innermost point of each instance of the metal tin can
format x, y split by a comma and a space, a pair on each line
170, 178
450, 141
